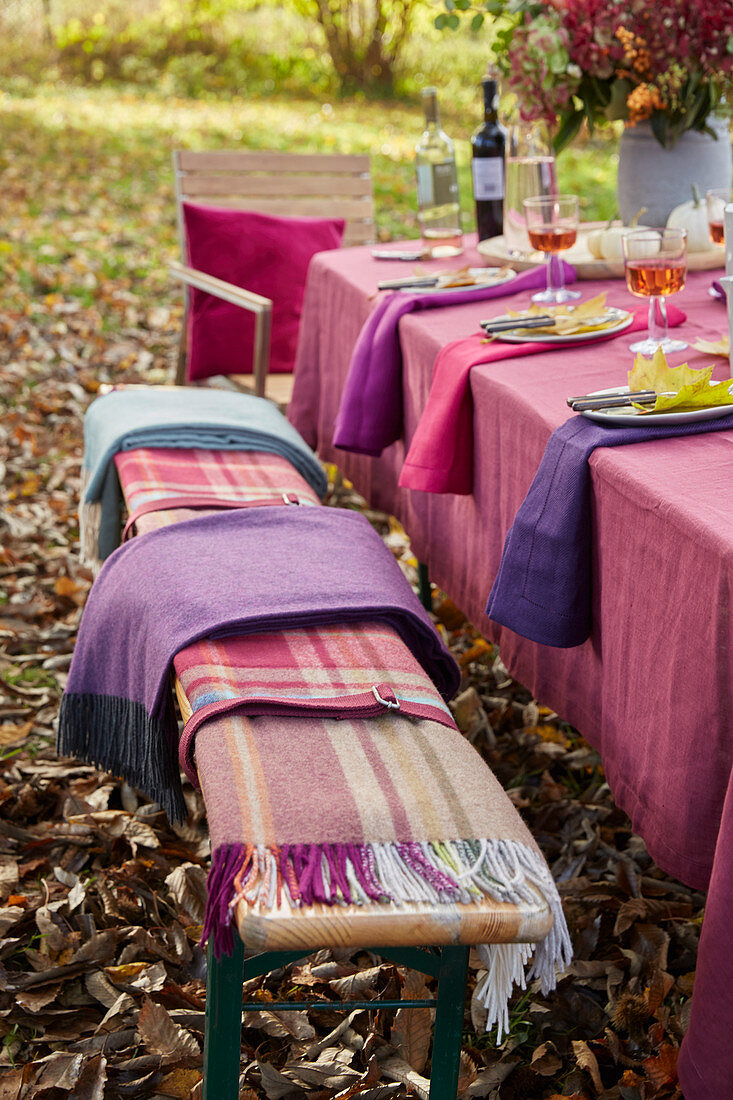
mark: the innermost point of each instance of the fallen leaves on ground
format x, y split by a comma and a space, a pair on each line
102, 979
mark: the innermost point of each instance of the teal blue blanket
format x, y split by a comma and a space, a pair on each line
187, 417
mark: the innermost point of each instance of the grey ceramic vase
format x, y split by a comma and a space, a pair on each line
660, 179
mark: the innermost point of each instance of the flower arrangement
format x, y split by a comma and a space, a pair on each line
668, 61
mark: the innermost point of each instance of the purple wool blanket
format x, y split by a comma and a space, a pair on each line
239, 572
370, 415
543, 588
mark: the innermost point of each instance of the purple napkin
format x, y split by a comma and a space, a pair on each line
370, 415
716, 290
543, 588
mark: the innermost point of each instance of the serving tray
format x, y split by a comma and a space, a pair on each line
493, 251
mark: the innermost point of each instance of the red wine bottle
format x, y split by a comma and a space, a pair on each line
487, 165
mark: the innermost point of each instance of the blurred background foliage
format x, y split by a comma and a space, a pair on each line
324, 75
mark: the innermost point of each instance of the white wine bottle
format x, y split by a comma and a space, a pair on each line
439, 211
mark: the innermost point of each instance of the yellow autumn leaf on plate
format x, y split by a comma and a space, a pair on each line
714, 347
655, 374
678, 387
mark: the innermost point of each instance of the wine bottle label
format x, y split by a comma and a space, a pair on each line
436, 184
488, 178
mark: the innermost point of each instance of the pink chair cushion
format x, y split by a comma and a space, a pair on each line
261, 253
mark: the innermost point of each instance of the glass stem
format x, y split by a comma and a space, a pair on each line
555, 273
657, 323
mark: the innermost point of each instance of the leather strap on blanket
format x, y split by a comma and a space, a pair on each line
199, 500
381, 699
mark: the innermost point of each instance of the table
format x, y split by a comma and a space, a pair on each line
652, 688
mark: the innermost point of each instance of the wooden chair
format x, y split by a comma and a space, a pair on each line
287, 184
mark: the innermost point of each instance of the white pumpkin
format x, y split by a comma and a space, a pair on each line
692, 216
605, 244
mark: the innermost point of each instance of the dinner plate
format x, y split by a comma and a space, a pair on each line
622, 321
621, 418
484, 276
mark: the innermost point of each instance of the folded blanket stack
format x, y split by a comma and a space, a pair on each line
228, 573
207, 419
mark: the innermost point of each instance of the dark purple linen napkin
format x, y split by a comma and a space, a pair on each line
543, 588
370, 415
238, 572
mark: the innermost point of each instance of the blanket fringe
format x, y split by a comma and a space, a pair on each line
93, 728
90, 521
443, 872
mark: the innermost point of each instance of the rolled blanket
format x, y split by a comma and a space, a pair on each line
384, 812
370, 415
204, 418
543, 588
240, 572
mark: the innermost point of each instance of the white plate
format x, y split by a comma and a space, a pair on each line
621, 418
484, 276
624, 320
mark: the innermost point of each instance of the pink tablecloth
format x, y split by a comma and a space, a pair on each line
652, 688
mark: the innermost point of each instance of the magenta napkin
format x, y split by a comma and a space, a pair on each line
370, 415
440, 458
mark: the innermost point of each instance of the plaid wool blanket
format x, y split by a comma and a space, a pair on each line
228, 573
162, 486
379, 812
330, 672
178, 417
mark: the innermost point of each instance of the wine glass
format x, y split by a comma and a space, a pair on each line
552, 225
655, 263
717, 200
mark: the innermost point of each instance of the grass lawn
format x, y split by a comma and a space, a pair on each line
87, 180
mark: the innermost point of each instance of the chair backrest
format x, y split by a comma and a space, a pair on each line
289, 184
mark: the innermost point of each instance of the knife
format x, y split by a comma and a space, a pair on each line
506, 325
619, 401
632, 395
403, 284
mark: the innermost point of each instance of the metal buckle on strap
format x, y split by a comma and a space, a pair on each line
291, 498
385, 702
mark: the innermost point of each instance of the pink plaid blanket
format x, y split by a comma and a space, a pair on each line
182, 482
362, 670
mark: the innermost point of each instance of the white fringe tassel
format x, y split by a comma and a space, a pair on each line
504, 870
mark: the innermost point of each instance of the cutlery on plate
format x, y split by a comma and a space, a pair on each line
507, 324
618, 401
403, 284
631, 395
546, 321
385, 254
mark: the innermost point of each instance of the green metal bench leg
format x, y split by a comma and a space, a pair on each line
423, 586
223, 1033
446, 1064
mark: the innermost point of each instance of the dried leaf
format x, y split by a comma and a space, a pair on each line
396, 1069
587, 1060
545, 1059
180, 1083
662, 1068
356, 986
162, 1036
411, 1034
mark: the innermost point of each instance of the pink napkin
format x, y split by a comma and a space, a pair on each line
440, 458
